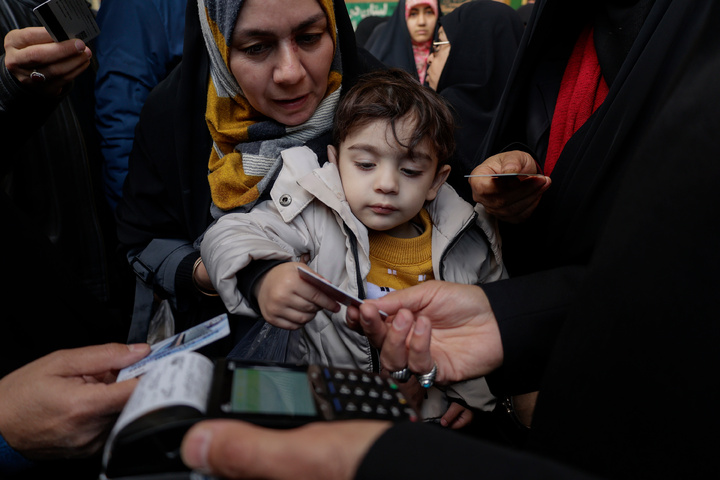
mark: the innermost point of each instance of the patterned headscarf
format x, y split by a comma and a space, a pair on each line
246, 144
409, 4
421, 51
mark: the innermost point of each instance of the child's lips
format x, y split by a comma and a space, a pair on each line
383, 209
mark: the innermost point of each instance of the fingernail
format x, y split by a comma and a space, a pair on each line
195, 449
80, 45
135, 347
420, 327
400, 322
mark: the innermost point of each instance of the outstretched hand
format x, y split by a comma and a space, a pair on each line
63, 404
447, 323
286, 300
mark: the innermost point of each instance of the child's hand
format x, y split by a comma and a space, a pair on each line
456, 416
287, 301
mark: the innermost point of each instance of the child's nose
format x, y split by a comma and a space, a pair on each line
386, 182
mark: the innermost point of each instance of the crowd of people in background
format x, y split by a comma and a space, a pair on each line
197, 152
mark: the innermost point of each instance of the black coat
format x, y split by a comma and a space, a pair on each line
484, 38
631, 389
547, 255
58, 234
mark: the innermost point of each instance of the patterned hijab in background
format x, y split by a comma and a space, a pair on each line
421, 51
246, 144
390, 41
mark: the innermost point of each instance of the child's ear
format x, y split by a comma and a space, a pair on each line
332, 154
440, 177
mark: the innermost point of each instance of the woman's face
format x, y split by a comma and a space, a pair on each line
280, 55
437, 59
421, 21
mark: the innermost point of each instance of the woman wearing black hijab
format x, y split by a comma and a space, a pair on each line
365, 28
589, 79
613, 94
391, 43
483, 39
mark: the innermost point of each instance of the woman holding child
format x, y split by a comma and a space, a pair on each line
377, 217
256, 77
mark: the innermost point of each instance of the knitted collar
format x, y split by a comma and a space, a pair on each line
582, 91
246, 145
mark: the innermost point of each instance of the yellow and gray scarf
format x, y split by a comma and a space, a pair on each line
245, 157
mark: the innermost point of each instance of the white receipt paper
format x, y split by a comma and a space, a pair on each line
184, 379
191, 339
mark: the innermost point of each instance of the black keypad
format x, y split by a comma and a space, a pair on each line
352, 394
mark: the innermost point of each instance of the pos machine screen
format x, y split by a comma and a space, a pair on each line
271, 392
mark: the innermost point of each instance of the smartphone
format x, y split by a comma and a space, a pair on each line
284, 396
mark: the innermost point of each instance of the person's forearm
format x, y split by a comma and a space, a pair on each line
248, 277
417, 450
21, 112
530, 311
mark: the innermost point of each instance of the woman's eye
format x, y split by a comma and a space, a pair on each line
256, 49
308, 38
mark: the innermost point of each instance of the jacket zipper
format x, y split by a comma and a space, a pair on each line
374, 357
456, 238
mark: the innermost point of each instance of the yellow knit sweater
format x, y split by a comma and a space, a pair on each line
397, 263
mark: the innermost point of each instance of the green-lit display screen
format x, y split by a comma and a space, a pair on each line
271, 392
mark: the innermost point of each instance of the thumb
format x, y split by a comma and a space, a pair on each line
224, 447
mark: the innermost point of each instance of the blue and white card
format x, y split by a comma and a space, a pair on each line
191, 339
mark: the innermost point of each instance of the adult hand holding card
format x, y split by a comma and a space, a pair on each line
65, 19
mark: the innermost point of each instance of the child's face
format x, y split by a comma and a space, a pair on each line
384, 185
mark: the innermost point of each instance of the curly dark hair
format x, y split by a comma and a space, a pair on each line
391, 95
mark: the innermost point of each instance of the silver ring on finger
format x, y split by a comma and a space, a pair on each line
427, 379
401, 376
37, 77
